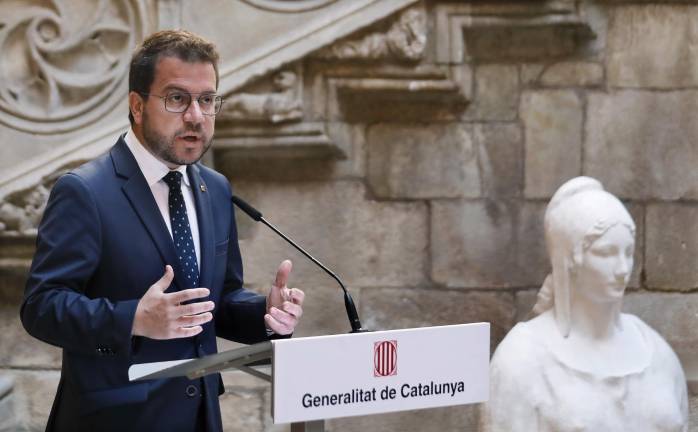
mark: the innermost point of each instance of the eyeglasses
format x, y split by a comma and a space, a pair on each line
178, 102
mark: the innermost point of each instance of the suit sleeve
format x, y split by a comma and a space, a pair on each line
56, 308
240, 317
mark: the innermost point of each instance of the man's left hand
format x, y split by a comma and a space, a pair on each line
284, 305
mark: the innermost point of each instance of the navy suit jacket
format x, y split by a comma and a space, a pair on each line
102, 243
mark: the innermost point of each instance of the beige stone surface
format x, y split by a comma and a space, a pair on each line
524, 301
33, 396
19, 349
13, 276
637, 212
499, 147
552, 122
395, 308
641, 144
241, 410
346, 136
693, 413
366, 243
487, 244
653, 46
7, 406
672, 247
675, 317
436, 161
496, 94
520, 43
530, 73
573, 74
460, 418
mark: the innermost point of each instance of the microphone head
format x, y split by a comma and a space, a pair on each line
248, 209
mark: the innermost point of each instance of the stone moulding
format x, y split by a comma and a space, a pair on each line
348, 18
405, 40
297, 141
455, 21
65, 66
289, 6
398, 87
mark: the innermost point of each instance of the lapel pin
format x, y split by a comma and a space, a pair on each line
202, 187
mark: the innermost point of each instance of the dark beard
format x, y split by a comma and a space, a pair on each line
163, 147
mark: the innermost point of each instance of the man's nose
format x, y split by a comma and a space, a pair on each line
193, 113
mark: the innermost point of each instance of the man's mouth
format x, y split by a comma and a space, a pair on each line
190, 138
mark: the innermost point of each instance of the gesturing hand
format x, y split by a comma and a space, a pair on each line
163, 316
284, 305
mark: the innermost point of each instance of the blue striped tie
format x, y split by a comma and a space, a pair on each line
181, 231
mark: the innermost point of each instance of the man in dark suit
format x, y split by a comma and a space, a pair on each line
137, 259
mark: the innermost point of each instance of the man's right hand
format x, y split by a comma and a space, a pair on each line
163, 316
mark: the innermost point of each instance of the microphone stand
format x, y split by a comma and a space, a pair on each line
349, 305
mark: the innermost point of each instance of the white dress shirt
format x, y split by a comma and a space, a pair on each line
154, 170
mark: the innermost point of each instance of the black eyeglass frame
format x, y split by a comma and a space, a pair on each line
217, 104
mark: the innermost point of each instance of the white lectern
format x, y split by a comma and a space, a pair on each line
322, 377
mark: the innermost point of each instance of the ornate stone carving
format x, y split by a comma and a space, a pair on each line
62, 63
22, 211
405, 40
280, 105
289, 5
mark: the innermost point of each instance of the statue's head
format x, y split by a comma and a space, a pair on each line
590, 239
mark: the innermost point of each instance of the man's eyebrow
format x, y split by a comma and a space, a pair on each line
172, 87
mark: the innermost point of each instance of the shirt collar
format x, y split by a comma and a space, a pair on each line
153, 169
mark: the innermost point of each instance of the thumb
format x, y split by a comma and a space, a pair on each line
164, 282
282, 274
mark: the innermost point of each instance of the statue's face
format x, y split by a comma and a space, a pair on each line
606, 265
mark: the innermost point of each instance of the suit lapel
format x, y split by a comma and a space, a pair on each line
141, 199
204, 215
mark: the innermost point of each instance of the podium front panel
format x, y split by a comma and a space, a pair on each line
369, 373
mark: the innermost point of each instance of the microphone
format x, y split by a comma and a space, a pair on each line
256, 215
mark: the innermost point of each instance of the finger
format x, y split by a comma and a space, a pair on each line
185, 332
188, 294
195, 308
166, 280
292, 309
296, 296
282, 274
194, 320
288, 320
276, 326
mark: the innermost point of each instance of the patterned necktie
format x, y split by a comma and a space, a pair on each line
181, 232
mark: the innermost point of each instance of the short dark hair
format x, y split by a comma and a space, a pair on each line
180, 44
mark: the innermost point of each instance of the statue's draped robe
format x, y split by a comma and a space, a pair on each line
532, 390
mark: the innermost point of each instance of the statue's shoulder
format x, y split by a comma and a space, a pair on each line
524, 350
663, 356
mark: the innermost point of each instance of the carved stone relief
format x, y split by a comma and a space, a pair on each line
63, 61
405, 40
289, 6
21, 212
281, 104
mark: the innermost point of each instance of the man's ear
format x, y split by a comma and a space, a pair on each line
136, 105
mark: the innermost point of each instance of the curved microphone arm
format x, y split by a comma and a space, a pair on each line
256, 215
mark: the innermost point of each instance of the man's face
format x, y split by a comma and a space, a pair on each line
176, 138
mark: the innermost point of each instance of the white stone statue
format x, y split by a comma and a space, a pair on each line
581, 365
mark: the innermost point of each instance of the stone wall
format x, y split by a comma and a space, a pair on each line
420, 172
